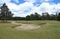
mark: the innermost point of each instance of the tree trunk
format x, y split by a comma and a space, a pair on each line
3, 20
6, 21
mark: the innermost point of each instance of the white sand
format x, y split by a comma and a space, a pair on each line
26, 26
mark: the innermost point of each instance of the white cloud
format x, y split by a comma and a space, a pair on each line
46, 0
25, 5
58, 6
4, 1
19, 10
31, 1
46, 7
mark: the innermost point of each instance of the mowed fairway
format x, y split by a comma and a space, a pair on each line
48, 30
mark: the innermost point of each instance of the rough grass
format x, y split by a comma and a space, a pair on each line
48, 30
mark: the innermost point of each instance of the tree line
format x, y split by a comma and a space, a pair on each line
44, 16
6, 14
36, 16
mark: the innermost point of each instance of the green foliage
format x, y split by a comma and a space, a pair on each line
5, 13
58, 17
44, 16
35, 16
27, 17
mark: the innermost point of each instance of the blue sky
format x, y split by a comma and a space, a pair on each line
22, 8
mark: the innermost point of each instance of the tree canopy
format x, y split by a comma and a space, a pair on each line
5, 12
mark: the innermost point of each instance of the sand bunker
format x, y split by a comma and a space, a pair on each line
26, 26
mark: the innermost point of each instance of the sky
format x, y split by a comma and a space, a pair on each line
22, 8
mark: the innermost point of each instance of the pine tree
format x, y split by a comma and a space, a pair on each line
5, 13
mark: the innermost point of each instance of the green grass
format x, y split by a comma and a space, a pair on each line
48, 30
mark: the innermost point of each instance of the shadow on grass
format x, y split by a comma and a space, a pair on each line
0, 37
15, 26
42, 23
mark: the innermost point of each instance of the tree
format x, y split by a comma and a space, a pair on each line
58, 17
45, 16
32, 17
27, 17
5, 13
52, 17
37, 16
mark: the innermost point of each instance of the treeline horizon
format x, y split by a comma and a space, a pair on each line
6, 14
36, 16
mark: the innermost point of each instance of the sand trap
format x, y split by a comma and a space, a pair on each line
26, 26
